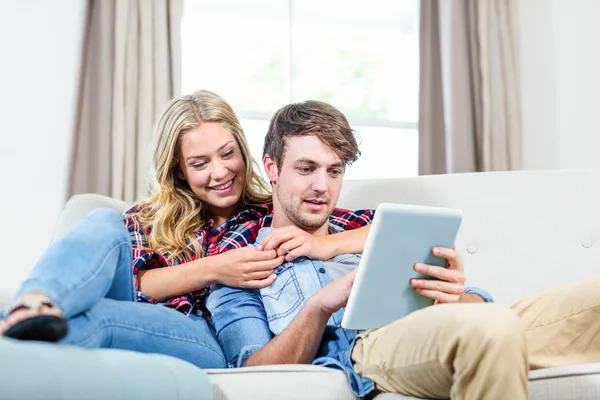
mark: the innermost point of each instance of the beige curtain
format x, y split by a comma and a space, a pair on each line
469, 118
131, 68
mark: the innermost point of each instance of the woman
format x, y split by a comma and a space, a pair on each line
105, 275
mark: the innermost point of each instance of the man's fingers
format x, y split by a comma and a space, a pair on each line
438, 296
441, 273
448, 254
439, 286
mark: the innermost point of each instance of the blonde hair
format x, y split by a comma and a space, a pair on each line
173, 213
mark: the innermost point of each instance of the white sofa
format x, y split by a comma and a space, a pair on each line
522, 232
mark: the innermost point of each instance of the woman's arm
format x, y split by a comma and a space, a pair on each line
173, 281
243, 268
348, 242
292, 242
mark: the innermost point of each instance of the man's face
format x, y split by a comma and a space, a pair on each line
307, 188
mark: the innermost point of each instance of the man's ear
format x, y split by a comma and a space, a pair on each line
270, 168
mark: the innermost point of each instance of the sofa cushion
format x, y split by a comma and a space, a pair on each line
295, 382
289, 382
581, 382
37, 370
81, 204
575, 382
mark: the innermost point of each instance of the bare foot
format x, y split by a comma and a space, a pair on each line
23, 313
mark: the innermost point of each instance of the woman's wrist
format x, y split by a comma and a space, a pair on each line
332, 246
208, 269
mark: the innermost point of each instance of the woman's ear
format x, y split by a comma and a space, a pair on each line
270, 168
179, 174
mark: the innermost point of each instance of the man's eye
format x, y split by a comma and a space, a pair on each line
304, 170
335, 172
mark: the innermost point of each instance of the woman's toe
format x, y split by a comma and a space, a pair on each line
51, 311
20, 315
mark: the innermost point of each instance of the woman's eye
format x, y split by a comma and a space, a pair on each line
228, 154
199, 165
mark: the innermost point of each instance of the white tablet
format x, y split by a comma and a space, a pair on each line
401, 236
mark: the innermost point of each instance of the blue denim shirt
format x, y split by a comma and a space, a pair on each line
245, 319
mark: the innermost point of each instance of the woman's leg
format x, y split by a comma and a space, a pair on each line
146, 328
90, 262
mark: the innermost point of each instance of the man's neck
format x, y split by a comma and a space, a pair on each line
280, 221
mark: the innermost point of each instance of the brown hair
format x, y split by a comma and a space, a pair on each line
311, 117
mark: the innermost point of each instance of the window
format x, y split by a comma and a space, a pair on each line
360, 57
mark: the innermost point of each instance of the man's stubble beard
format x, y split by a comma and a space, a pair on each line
295, 215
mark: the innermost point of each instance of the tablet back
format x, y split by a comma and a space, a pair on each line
401, 236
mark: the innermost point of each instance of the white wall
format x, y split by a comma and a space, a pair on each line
577, 60
560, 65
40, 44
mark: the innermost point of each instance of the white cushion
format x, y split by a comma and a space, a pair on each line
574, 382
522, 232
289, 382
81, 204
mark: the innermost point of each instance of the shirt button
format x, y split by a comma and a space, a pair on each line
322, 270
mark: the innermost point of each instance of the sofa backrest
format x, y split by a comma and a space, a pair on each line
522, 232
81, 204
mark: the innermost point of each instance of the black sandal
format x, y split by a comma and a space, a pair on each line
47, 328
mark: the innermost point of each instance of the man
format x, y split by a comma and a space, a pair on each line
464, 351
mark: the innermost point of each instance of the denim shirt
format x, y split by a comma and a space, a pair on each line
247, 319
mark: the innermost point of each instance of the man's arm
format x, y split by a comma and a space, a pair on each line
240, 322
299, 342
243, 331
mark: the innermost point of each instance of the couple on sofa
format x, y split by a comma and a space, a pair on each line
140, 281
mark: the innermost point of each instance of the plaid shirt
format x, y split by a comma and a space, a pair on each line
245, 234
238, 231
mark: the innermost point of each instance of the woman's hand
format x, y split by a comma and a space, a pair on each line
292, 242
247, 268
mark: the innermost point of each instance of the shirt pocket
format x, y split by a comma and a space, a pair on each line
283, 299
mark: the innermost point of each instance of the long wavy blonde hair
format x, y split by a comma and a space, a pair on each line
173, 212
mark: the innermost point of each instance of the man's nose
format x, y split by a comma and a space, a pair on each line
319, 183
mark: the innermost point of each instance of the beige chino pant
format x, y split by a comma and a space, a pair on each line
477, 351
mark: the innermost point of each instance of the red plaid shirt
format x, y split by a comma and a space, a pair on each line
236, 232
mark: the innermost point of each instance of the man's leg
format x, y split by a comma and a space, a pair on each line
562, 324
462, 351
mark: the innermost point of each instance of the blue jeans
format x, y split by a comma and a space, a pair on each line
88, 275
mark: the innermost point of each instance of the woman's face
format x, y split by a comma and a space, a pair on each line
212, 164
